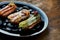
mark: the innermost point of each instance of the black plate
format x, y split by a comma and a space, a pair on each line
12, 28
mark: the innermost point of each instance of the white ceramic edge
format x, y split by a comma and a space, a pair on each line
18, 35
5, 32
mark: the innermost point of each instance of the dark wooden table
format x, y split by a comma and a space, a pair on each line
52, 9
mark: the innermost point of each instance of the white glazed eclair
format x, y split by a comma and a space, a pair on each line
18, 16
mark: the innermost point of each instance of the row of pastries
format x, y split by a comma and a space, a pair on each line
29, 20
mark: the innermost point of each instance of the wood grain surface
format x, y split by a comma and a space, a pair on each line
52, 9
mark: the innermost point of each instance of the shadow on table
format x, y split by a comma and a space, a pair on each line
37, 37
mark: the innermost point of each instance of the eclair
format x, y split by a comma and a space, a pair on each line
18, 16
8, 9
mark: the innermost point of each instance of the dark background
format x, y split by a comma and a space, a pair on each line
52, 9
